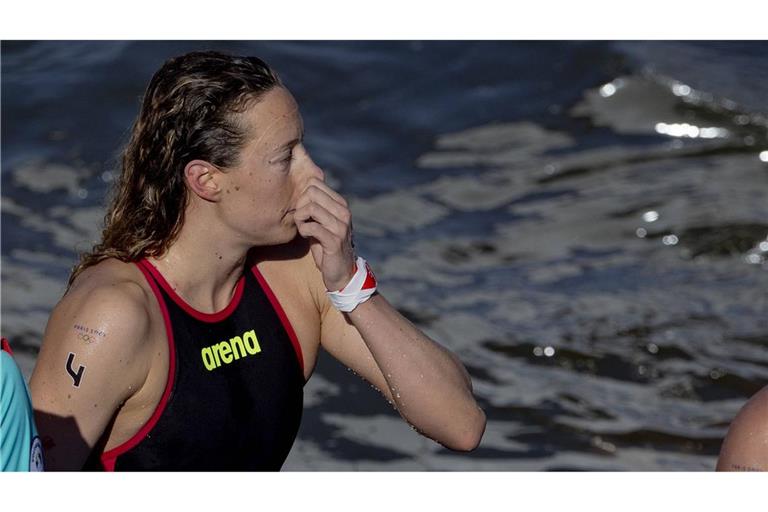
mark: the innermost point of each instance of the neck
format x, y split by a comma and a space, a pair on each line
203, 266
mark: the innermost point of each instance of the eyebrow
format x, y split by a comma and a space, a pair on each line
292, 142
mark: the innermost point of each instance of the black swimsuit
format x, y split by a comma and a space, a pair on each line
234, 396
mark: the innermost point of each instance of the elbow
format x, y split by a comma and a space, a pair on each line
743, 448
471, 436
468, 444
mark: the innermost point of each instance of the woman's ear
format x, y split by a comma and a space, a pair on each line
203, 179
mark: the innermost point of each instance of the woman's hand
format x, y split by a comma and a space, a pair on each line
323, 216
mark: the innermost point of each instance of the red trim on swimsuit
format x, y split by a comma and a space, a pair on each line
109, 458
6, 346
204, 317
281, 314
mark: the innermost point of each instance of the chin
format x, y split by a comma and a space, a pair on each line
285, 235
290, 237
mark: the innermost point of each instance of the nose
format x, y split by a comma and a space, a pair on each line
314, 170
305, 171
310, 169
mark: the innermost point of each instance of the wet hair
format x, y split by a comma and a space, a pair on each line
190, 110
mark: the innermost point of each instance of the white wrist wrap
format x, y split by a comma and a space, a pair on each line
358, 290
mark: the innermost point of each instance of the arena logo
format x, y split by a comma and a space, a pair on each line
227, 352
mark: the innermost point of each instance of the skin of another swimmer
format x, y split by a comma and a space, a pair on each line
274, 199
745, 447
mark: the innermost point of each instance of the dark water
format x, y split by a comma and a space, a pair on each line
583, 223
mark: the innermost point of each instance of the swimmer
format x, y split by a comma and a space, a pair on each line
187, 334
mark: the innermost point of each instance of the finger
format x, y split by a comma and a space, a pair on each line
326, 238
313, 213
320, 196
316, 212
320, 184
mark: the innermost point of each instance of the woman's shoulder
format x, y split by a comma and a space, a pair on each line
110, 287
289, 268
109, 276
106, 303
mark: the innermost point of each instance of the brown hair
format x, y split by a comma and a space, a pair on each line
190, 111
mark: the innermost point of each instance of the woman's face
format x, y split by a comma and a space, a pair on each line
261, 191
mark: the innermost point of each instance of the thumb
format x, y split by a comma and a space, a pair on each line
317, 252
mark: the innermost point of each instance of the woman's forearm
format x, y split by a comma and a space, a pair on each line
429, 385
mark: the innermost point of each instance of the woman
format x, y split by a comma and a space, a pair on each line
186, 336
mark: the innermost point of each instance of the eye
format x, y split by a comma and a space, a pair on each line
289, 158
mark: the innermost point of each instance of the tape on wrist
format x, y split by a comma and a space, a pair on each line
358, 290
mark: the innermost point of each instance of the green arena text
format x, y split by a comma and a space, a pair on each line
226, 352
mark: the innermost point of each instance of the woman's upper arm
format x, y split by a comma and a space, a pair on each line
91, 361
